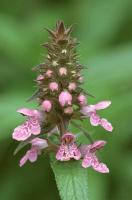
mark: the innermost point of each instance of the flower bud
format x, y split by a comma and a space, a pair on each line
53, 86
72, 86
82, 100
63, 71
65, 98
49, 73
46, 105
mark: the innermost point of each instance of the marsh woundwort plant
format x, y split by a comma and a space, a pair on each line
61, 101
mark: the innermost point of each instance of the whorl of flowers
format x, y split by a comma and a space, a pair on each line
62, 101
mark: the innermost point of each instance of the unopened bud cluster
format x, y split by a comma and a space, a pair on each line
61, 100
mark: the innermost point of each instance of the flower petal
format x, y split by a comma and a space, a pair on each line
23, 160
106, 125
34, 126
39, 143
66, 153
63, 154
74, 152
87, 161
94, 119
28, 112
97, 145
88, 110
102, 105
99, 167
22, 132
32, 155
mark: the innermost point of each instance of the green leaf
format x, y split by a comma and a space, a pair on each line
72, 180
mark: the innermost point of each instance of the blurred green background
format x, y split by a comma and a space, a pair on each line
104, 29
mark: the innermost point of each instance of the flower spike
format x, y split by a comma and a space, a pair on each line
62, 102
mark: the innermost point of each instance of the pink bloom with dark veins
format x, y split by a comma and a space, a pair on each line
68, 149
65, 98
95, 120
31, 126
90, 159
37, 145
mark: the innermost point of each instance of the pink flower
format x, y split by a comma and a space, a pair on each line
53, 86
95, 120
82, 100
49, 73
65, 98
40, 78
46, 105
63, 71
37, 145
31, 126
68, 148
68, 110
90, 159
72, 86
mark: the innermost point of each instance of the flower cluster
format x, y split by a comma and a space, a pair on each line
61, 100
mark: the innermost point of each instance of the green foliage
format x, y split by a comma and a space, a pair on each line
72, 180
